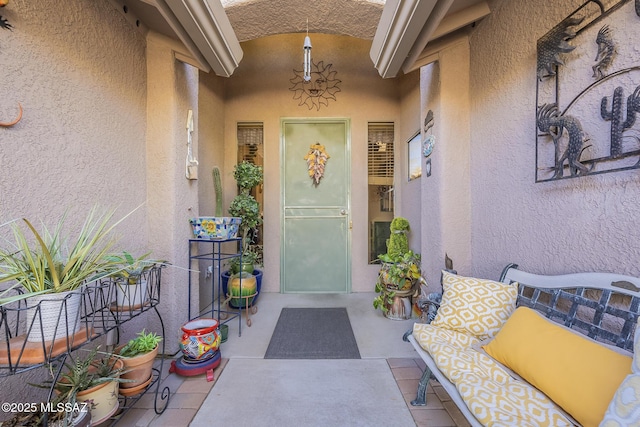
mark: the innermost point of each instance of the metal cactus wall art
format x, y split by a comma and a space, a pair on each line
615, 115
588, 94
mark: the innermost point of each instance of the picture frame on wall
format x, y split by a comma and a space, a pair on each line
414, 151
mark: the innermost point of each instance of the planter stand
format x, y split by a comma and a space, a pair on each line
401, 308
190, 369
95, 319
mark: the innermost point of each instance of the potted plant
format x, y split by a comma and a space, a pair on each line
92, 383
399, 274
131, 289
55, 413
52, 270
138, 355
245, 206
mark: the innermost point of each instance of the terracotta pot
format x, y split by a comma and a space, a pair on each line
132, 391
138, 368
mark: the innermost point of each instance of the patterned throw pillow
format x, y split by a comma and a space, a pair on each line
624, 409
475, 306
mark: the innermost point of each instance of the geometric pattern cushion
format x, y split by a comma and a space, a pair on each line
476, 306
426, 334
490, 393
624, 409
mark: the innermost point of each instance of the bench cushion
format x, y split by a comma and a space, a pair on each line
578, 374
490, 393
476, 306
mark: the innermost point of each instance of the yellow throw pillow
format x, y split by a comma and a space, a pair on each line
578, 374
475, 306
624, 409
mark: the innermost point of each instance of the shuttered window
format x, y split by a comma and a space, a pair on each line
380, 153
250, 140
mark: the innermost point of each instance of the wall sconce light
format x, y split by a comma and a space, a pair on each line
307, 56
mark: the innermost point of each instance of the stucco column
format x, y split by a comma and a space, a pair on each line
446, 194
172, 198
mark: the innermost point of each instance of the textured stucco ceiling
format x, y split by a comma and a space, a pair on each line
252, 19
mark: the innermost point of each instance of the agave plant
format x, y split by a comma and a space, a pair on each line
51, 265
83, 374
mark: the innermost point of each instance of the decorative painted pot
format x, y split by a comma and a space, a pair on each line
242, 291
103, 400
226, 277
209, 227
200, 339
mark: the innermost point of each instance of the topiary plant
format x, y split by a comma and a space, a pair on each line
398, 243
247, 175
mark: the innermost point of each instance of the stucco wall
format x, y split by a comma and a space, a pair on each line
79, 72
408, 193
80, 78
446, 199
589, 223
259, 91
173, 199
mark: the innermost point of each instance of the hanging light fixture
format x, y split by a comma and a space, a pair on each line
307, 56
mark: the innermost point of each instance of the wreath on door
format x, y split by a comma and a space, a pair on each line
316, 161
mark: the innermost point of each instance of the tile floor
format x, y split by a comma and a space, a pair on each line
188, 393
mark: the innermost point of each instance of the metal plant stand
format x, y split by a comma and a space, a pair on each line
98, 314
214, 254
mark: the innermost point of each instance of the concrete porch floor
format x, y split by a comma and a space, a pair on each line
377, 337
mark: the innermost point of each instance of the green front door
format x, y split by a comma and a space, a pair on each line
315, 217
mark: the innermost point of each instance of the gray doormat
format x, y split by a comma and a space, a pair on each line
313, 333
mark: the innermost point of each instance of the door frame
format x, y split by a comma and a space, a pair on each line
347, 138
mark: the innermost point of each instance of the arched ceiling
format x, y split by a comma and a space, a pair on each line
252, 19
211, 30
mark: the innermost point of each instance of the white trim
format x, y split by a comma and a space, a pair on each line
205, 30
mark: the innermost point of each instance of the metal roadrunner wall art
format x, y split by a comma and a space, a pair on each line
588, 92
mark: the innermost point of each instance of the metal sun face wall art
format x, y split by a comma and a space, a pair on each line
588, 93
317, 91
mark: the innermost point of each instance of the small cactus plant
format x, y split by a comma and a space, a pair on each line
217, 186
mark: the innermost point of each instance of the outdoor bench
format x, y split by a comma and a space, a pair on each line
534, 350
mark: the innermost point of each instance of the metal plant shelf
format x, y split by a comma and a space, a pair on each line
212, 253
98, 314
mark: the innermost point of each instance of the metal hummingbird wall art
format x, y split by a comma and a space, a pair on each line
588, 93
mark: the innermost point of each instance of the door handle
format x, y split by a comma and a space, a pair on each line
343, 211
